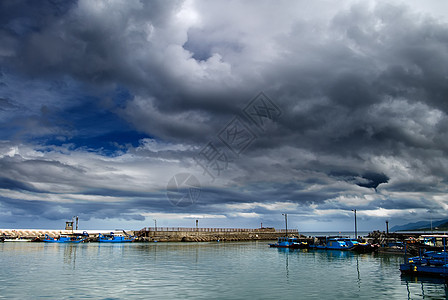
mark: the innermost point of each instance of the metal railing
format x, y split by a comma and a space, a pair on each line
202, 229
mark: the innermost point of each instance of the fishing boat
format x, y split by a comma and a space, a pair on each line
330, 243
343, 244
115, 238
67, 238
360, 247
288, 242
431, 263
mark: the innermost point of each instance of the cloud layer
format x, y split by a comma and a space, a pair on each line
102, 103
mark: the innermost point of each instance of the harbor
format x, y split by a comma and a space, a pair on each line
380, 241
155, 234
263, 257
204, 270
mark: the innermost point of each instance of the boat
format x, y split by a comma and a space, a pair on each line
67, 238
330, 243
115, 238
343, 244
360, 247
289, 242
428, 263
16, 239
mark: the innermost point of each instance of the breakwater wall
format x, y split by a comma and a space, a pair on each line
36, 233
165, 234
182, 234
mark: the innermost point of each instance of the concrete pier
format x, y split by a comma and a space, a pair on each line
180, 234
166, 234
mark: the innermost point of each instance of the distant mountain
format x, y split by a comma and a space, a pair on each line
423, 225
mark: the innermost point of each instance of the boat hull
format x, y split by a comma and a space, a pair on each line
64, 241
66, 238
112, 238
413, 269
115, 241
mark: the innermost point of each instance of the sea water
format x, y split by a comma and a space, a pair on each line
215, 270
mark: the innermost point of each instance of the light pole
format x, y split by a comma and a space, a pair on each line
356, 228
387, 227
286, 224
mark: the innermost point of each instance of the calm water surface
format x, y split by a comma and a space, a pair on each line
238, 270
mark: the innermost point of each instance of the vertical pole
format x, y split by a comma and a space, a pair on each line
387, 227
155, 225
197, 228
356, 227
286, 224
444, 248
76, 222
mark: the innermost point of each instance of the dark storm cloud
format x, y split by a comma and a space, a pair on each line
57, 211
362, 90
10, 184
367, 180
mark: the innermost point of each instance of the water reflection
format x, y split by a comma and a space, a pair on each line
242, 270
425, 287
359, 274
70, 254
286, 252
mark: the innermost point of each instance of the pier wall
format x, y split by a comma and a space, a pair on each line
210, 234
34, 233
167, 234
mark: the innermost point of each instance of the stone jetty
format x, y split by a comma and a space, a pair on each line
164, 234
186, 234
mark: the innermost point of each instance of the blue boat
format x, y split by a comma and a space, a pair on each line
115, 238
332, 243
67, 238
361, 247
337, 244
428, 263
340, 243
289, 242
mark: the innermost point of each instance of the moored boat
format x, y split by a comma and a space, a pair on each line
115, 238
429, 263
17, 239
361, 247
67, 238
432, 263
343, 244
289, 242
330, 243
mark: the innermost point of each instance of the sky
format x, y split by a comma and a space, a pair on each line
130, 114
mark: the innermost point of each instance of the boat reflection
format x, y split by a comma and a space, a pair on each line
70, 255
425, 287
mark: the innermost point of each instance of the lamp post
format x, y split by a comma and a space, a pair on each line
286, 224
387, 227
356, 228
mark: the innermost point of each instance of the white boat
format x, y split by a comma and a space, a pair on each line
16, 239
